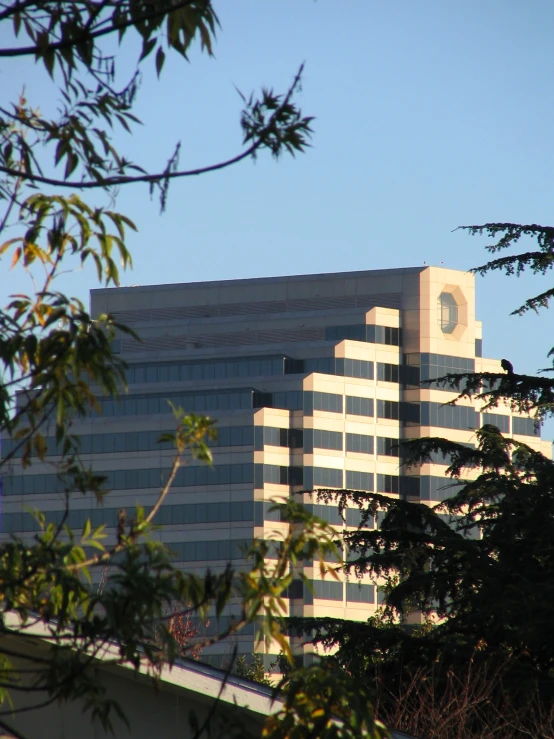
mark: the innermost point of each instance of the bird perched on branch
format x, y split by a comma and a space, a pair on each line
507, 366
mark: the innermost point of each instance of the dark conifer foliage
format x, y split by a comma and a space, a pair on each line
467, 583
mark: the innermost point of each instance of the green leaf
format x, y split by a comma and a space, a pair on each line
160, 59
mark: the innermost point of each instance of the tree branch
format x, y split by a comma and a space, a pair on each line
166, 175
91, 35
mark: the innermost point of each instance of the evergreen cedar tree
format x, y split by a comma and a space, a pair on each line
475, 572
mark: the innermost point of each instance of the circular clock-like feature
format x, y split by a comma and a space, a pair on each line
448, 312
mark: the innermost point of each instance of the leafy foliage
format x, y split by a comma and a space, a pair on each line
56, 361
323, 702
75, 149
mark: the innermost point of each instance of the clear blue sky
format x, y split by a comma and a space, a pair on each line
429, 115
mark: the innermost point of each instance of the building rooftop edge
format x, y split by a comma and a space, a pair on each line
268, 280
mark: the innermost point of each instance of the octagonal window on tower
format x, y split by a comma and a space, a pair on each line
448, 313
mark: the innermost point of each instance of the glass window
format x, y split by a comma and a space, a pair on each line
359, 443
437, 488
327, 477
354, 518
327, 439
327, 590
151, 374
212, 550
498, 420
447, 416
359, 480
224, 550
359, 406
359, 593
448, 313
327, 402
388, 484
388, 409
388, 447
329, 513
388, 372
96, 443
526, 426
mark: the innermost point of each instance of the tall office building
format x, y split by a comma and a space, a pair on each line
313, 380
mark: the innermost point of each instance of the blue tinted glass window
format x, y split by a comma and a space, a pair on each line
359, 480
327, 590
498, 420
360, 593
359, 443
388, 409
359, 406
388, 484
327, 477
526, 426
388, 372
327, 439
388, 447
448, 313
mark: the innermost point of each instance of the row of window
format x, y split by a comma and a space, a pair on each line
223, 474
441, 458
359, 480
331, 590
498, 420
425, 366
331, 366
360, 443
277, 475
526, 426
206, 370
388, 372
317, 401
247, 473
471, 532
230, 436
352, 516
329, 513
443, 362
424, 487
321, 439
437, 488
323, 477
141, 441
190, 513
192, 402
291, 400
271, 436
448, 416
356, 406
425, 413
257, 367
184, 514
225, 550
363, 332
419, 367
359, 406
